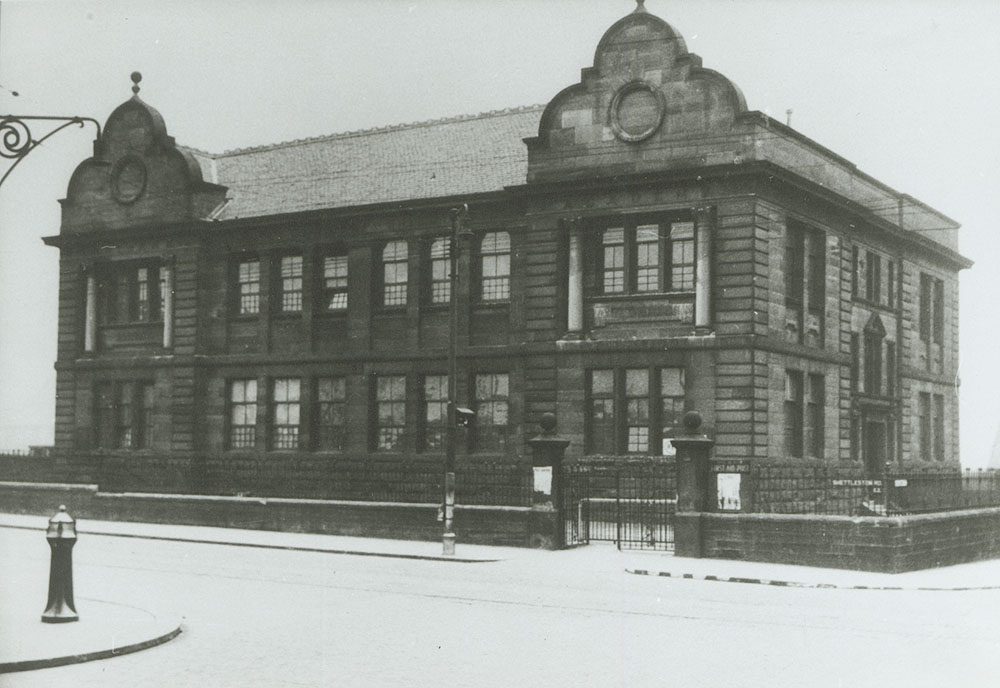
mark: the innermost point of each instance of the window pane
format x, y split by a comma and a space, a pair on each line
494, 264
602, 381
395, 273
291, 284
335, 282
390, 412
647, 258
249, 287
491, 412
441, 270
242, 413
672, 382
636, 382
330, 395
682, 263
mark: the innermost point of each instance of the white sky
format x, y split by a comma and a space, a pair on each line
907, 89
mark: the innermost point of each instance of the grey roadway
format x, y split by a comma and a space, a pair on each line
264, 617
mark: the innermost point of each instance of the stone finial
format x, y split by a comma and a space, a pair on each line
548, 422
640, 5
692, 421
136, 78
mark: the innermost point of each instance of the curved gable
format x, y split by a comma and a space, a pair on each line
633, 110
137, 176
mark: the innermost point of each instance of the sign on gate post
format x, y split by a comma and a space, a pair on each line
545, 521
729, 485
693, 496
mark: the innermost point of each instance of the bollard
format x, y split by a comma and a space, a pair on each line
61, 535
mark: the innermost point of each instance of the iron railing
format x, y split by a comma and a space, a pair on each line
623, 501
844, 490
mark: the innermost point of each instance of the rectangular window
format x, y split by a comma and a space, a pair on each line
142, 297
795, 268
395, 273
124, 420
855, 361
601, 400
248, 282
637, 410
144, 415
924, 421
286, 394
634, 411
104, 415
890, 283
858, 270
390, 412
335, 282
682, 265
937, 332
491, 401
441, 270
162, 281
242, 414
890, 368
647, 259
331, 422
613, 242
494, 266
131, 293
435, 412
926, 282
793, 413
805, 284
814, 430
124, 415
290, 284
873, 277
671, 406
873, 364
939, 427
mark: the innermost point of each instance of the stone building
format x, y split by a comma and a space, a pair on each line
261, 319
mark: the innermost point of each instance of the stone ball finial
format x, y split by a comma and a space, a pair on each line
692, 421
136, 78
548, 422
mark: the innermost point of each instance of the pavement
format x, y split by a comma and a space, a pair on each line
107, 629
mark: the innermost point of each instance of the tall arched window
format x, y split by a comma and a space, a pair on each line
494, 264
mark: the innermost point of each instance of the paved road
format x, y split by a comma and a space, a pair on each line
256, 617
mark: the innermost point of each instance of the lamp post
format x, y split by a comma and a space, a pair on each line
459, 230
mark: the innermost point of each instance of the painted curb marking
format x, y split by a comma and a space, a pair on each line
796, 584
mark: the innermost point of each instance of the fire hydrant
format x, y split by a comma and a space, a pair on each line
61, 535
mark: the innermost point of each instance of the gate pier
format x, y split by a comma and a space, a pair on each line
545, 530
693, 449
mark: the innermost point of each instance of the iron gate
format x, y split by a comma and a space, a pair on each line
632, 505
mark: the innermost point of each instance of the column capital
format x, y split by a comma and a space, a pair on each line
573, 223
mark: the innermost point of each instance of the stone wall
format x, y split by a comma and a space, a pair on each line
506, 526
889, 545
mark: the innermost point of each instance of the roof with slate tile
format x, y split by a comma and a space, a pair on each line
460, 155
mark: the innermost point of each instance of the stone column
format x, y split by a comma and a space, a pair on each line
574, 293
90, 326
545, 521
693, 449
703, 268
168, 306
